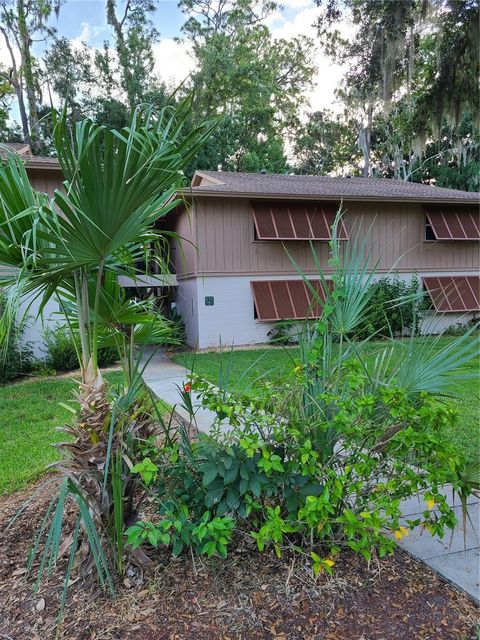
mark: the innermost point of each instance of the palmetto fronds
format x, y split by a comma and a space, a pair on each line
118, 185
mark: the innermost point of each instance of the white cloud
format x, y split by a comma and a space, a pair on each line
296, 4
87, 33
173, 60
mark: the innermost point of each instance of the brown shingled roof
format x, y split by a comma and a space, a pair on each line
31, 161
270, 185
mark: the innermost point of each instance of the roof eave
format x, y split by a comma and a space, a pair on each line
39, 164
287, 196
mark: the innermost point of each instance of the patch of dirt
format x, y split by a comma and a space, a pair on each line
250, 596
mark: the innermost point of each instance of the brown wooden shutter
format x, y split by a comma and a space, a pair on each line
294, 221
454, 293
454, 223
287, 299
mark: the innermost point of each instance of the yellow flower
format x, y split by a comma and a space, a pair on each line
430, 504
400, 532
329, 562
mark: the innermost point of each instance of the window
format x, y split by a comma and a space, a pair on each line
429, 232
454, 293
452, 222
287, 299
295, 221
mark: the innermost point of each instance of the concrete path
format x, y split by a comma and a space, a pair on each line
457, 556
166, 378
456, 561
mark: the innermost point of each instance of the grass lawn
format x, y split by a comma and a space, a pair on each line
243, 368
29, 414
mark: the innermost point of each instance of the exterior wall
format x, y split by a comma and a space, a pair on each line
226, 258
395, 232
186, 257
45, 181
231, 322
434, 323
187, 306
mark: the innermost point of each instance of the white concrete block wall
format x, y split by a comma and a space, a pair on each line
36, 326
231, 321
187, 306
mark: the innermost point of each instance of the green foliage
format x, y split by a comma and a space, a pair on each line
147, 470
255, 82
16, 358
207, 536
396, 307
62, 352
281, 332
322, 463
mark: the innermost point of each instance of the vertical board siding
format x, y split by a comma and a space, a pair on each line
394, 235
45, 181
186, 247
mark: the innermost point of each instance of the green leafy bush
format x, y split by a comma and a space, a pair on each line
281, 333
16, 356
271, 479
62, 355
396, 307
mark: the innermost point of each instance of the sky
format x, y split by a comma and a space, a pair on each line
85, 21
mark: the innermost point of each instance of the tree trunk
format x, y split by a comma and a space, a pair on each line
25, 44
15, 80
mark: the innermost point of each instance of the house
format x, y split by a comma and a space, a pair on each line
232, 278
235, 278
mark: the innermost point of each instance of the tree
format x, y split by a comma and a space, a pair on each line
133, 34
23, 22
119, 184
6, 94
70, 75
254, 82
413, 69
325, 144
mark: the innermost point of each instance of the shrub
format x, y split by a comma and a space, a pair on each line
271, 479
16, 356
61, 354
396, 308
281, 333
460, 328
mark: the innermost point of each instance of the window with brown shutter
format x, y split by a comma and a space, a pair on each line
452, 222
294, 221
454, 293
287, 299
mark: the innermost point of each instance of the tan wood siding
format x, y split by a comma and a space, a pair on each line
45, 181
396, 231
186, 249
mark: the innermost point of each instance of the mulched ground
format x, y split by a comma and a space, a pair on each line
249, 596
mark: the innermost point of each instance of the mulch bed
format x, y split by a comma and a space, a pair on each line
248, 596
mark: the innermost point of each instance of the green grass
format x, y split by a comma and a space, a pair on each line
244, 368
29, 414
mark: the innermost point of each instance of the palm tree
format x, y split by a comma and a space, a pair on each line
118, 185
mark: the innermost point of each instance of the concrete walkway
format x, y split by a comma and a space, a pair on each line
456, 558
166, 379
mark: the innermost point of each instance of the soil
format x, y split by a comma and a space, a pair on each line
248, 596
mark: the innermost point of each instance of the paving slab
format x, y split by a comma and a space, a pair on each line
423, 545
461, 569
